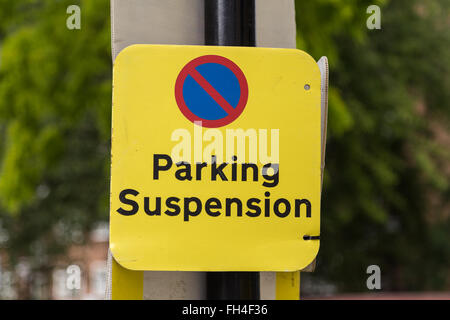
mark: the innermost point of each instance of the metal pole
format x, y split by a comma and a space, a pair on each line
231, 23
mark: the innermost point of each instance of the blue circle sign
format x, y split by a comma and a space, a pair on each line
211, 91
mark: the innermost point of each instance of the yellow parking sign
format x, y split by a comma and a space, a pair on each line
216, 155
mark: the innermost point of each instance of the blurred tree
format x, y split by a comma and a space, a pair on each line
55, 102
386, 193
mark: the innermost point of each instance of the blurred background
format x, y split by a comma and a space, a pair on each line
386, 198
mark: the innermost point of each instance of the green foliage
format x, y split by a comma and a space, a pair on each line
386, 193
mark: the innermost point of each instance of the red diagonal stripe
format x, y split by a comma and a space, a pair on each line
211, 91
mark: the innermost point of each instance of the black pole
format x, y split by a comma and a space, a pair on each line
231, 23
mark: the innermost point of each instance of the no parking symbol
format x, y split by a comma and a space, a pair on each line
211, 90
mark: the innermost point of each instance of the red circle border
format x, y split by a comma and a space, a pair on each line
211, 59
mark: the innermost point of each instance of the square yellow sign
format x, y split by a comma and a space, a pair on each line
215, 160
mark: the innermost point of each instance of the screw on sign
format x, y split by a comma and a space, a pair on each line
212, 91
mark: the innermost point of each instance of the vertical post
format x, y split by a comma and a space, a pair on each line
182, 23
231, 23
287, 286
